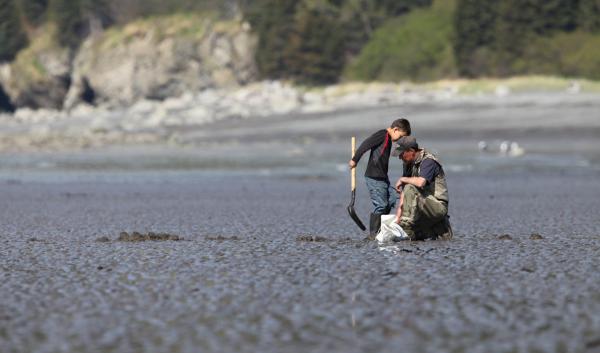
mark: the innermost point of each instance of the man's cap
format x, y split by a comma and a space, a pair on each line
403, 144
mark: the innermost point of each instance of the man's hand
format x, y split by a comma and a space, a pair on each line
352, 164
400, 184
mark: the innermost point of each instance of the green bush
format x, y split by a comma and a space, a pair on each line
416, 47
575, 54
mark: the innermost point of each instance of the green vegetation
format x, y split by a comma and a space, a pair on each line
514, 84
192, 25
413, 47
515, 37
27, 62
316, 42
311, 41
12, 36
33, 11
489, 38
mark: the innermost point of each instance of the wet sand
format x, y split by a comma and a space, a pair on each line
242, 279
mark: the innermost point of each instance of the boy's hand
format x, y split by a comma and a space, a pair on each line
352, 164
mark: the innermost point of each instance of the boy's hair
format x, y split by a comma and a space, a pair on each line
402, 124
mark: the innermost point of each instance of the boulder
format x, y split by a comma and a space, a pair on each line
39, 77
160, 58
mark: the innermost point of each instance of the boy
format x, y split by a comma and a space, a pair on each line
382, 194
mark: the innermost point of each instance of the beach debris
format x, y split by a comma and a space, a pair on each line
515, 150
504, 148
502, 91
505, 237
574, 87
150, 236
482, 146
103, 239
36, 240
536, 236
222, 238
390, 274
311, 238
511, 149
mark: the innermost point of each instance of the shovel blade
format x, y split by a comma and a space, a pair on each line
353, 214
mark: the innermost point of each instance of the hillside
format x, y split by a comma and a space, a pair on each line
59, 53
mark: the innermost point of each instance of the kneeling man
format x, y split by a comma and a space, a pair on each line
423, 210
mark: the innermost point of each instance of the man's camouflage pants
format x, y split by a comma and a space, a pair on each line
423, 216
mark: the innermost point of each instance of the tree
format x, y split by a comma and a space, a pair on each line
394, 8
314, 53
589, 15
475, 26
34, 11
67, 14
272, 20
12, 36
76, 18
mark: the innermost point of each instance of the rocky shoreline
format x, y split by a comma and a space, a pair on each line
154, 121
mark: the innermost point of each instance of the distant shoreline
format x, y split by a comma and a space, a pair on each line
178, 120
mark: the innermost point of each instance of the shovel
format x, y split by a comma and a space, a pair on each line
351, 211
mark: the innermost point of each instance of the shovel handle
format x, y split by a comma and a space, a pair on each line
353, 170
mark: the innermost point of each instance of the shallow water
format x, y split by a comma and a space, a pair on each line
260, 289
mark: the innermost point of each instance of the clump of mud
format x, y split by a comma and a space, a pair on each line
311, 238
505, 237
222, 238
135, 237
536, 236
36, 240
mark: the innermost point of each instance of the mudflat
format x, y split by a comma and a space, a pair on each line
272, 263
234, 237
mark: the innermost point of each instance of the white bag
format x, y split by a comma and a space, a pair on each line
390, 231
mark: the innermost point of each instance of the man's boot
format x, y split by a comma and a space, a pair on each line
374, 225
443, 230
448, 233
408, 229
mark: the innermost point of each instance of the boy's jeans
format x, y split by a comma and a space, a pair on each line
382, 194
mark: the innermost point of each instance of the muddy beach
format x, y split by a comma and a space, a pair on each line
246, 282
246, 246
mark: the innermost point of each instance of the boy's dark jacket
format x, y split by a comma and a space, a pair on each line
380, 144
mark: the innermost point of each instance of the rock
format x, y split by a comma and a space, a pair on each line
535, 236
151, 236
161, 58
39, 77
222, 238
311, 238
505, 237
529, 269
